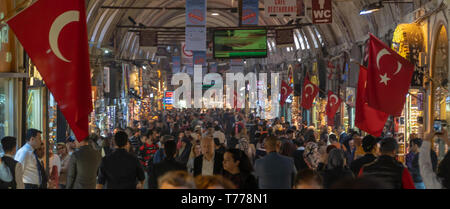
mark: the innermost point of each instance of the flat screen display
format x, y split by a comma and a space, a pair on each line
241, 43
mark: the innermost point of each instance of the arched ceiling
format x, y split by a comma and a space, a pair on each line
348, 26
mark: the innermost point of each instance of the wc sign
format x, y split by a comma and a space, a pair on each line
322, 11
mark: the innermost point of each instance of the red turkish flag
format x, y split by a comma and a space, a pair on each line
286, 90
367, 118
330, 70
310, 92
333, 104
235, 101
389, 78
54, 34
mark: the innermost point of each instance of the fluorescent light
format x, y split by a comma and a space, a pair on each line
106, 51
365, 12
371, 8
215, 14
144, 67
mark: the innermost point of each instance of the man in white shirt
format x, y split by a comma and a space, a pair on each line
31, 175
9, 145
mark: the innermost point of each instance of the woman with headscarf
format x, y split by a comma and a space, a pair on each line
336, 168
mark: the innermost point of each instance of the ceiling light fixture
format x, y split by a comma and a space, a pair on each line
215, 14
371, 8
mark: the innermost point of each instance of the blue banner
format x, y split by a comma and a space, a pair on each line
213, 67
196, 39
250, 12
196, 12
189, 70
176, 64
200, 58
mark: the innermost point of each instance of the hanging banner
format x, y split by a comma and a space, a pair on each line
176, 64
196, 38
280, 8
186, 55
189, 69
195, 12
126, 80
250, 12
236, 66
213, 67
301, 9
106, 80
200, 59
322, 11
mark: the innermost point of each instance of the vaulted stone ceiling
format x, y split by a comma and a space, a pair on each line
348, 26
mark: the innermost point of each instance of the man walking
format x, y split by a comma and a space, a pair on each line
26, 156
9, 146
83, 167
121, 169
166, 165
274, 171
387, 168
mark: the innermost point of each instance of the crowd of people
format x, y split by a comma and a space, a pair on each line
222, 149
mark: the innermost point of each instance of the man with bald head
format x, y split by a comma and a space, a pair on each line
274, 171
208, 163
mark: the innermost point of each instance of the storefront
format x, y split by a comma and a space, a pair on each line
439, 84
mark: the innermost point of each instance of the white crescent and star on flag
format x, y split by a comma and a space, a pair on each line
385, 78
306, 90
333, 96
60, 22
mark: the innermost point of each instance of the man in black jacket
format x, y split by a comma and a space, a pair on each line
9, 146
210, 162
387, 169
299, 161
121, 169
166, 165
369, 145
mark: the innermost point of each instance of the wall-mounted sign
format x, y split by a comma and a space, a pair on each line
284, 37
280, 8
148, 38
322, 11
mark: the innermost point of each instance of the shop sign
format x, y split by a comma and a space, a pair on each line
322, 11
280, 8
148, 38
